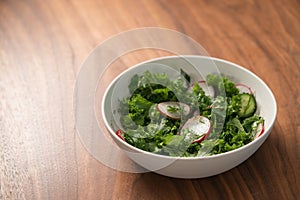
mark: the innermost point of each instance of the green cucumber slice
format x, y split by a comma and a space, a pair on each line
248, 105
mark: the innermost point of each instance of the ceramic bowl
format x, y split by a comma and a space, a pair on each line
190, 167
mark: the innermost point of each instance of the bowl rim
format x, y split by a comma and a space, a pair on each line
214, 156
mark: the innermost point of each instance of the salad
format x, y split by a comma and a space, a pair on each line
180, 118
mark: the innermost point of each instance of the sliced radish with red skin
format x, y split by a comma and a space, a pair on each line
120, 134
174, 110
260, 130
199, 125
244, 88
208, 90
201, 138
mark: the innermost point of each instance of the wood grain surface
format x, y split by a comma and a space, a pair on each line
44, 43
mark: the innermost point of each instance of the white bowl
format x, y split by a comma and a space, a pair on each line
191, 167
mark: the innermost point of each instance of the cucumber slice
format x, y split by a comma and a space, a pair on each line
248, 105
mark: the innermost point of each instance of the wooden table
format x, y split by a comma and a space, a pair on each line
42, 47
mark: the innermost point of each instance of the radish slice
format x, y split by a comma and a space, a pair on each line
174, 110
199, 125
260, 129
244, 88
120, 134
208, 90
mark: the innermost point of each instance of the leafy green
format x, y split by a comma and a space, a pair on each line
222, 85
204, 102
138, 109
147, 129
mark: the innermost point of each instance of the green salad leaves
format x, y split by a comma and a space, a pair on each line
231, 114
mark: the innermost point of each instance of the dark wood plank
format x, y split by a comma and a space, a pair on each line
42, 46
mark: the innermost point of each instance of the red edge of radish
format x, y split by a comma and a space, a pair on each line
203, 137
260, 130
205, 126
120, 134
208, 90
163, 109
244, 88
